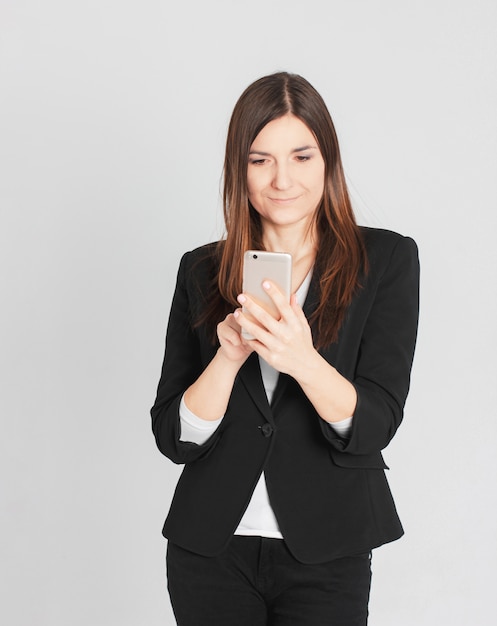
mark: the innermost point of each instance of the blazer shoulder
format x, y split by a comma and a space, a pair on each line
201, 262
381, 244
381, 237
197, 273
203, 253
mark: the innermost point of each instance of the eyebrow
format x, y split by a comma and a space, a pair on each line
301, 149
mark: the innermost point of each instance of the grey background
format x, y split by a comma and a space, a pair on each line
113, 116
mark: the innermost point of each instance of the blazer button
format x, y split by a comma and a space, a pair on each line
267, 430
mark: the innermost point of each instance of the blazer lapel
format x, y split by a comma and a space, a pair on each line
250, 375
312, 298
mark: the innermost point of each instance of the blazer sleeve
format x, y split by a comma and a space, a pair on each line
182, 365
386, 352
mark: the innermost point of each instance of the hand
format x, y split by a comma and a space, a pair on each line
285, 343
233, 346
209, 395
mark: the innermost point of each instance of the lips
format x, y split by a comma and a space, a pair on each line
283, 200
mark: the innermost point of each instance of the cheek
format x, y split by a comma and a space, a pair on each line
254, 185
318, 182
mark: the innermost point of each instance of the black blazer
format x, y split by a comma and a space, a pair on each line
329, 494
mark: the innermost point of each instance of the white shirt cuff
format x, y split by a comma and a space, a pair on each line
342, 427
194, 429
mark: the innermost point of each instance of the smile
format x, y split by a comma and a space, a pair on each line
283, 200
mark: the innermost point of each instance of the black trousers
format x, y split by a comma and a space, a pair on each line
257, 582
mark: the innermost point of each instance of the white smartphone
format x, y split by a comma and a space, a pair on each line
258, 266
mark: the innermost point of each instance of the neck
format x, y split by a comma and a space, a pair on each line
300, 244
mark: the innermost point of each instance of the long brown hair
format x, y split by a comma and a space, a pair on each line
341, 253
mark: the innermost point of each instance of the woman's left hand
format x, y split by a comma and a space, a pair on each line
285, 343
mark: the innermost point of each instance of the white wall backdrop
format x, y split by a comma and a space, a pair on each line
113, 115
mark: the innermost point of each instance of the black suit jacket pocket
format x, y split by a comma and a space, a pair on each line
358, 461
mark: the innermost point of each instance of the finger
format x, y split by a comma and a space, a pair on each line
255, 313
257, 334
229, 330
287, 307
231, 321
277, 296
297, 309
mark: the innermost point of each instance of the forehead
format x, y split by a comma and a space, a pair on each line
285, 132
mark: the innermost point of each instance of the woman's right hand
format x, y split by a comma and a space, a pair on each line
233, 346
209, 395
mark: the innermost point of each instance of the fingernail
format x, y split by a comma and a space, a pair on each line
266, 285
241, 298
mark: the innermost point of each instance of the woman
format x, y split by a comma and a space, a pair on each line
283, 495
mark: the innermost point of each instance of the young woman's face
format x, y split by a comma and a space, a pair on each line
285, 175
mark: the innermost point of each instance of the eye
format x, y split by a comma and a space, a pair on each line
302, 158
257, 161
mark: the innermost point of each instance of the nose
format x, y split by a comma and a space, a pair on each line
282, 178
